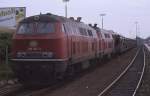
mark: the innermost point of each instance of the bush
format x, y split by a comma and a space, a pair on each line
5, 72
5, 42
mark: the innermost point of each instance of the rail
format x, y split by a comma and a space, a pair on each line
123, 73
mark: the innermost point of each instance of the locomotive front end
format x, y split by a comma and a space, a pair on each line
39, 50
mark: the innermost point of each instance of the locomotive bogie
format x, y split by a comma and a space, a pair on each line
38, 72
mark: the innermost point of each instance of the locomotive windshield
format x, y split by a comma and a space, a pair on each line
36, 28
25, 28
45, 27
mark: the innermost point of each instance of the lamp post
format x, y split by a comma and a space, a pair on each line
136, 30
66, 9
102, 15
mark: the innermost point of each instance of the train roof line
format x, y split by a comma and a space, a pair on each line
53, 17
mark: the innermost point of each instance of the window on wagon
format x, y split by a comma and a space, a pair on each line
107, 35
83, 31
90, 33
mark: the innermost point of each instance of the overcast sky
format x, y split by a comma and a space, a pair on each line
121, 15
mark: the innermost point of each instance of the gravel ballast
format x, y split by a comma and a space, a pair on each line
144, 89
94, 82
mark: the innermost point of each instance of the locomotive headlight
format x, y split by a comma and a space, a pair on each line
21, 54
50, 54
47, 54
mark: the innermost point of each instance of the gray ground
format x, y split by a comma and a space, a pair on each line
144, 89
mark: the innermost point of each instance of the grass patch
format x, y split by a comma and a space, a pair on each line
5, 43
5, 72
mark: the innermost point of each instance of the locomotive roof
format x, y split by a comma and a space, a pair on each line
46, 18
52, 18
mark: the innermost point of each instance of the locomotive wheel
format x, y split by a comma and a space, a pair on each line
73, 69
93, 62
70, 70
109, 56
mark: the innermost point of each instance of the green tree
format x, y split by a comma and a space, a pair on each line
5, 42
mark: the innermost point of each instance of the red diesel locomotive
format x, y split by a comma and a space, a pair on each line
47, 46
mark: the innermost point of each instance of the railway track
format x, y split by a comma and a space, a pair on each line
129, 81
39, 91
46, 91
50, 89
7, 89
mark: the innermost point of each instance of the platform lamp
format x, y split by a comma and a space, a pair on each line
136, 30
66, 13
102, 15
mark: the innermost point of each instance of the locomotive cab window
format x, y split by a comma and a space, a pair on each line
45, 27
35, 28
63, 28
25, 28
